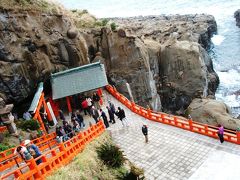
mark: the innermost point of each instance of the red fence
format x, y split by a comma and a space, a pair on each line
58, 156
8, 159
3, 129
177, 121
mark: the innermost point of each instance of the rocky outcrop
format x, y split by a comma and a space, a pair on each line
34, 44
198, 28
162, 58
209, 111
129, 60
185, 74
237, 16
158, 55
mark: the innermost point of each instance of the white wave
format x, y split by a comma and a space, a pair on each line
217, 39
229, 78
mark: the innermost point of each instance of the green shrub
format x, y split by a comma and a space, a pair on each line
4, 147
135, 173
111, 155
29, 124
104, 22
101, 23
113, 26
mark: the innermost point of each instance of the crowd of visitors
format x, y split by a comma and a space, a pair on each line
89, 106
67, 128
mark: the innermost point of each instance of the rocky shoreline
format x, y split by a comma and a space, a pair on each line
164, 59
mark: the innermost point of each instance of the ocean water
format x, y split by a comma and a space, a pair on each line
225, 51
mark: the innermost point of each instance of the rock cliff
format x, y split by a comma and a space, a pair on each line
33, 44
159, 55
162, 58
237, 16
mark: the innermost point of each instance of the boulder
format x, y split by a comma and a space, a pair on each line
185, 74
72, 33
212, 112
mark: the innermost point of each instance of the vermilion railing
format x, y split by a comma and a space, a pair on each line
177, 121
8, 159
3, 129
58, 156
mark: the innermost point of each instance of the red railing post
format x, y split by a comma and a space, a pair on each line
149, 113
162, 117
238, 137
34, 167
190, 122
133, 106
175, 120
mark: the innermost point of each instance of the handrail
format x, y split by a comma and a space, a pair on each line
177, 121
3, 129
57, 156
8, 159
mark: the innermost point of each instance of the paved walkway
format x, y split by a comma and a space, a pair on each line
173, 153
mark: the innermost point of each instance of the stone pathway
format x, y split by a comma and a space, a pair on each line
173, 153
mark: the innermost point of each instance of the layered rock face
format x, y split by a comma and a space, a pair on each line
34, 44
210, 111
160, 53
237, 16
186, 74
128, 60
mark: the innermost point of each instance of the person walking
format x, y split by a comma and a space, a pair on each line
33, 150
111, 115
220, 133
95, 114
145, 132
112, 107
121, 115
103, 115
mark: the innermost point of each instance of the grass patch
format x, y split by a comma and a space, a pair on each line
86, 165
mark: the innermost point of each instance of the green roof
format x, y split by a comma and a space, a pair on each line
77, 80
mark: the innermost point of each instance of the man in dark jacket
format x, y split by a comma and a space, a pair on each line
80, 119
103, 115
145, 132
121, 115
111, 115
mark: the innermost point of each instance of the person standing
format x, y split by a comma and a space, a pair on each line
68, 129
103, 115
221, 133
145, 132
33, 150
80, 119
95, 114
121, 115
112, 107
61, 115
96, 100
85, 106
111, 115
